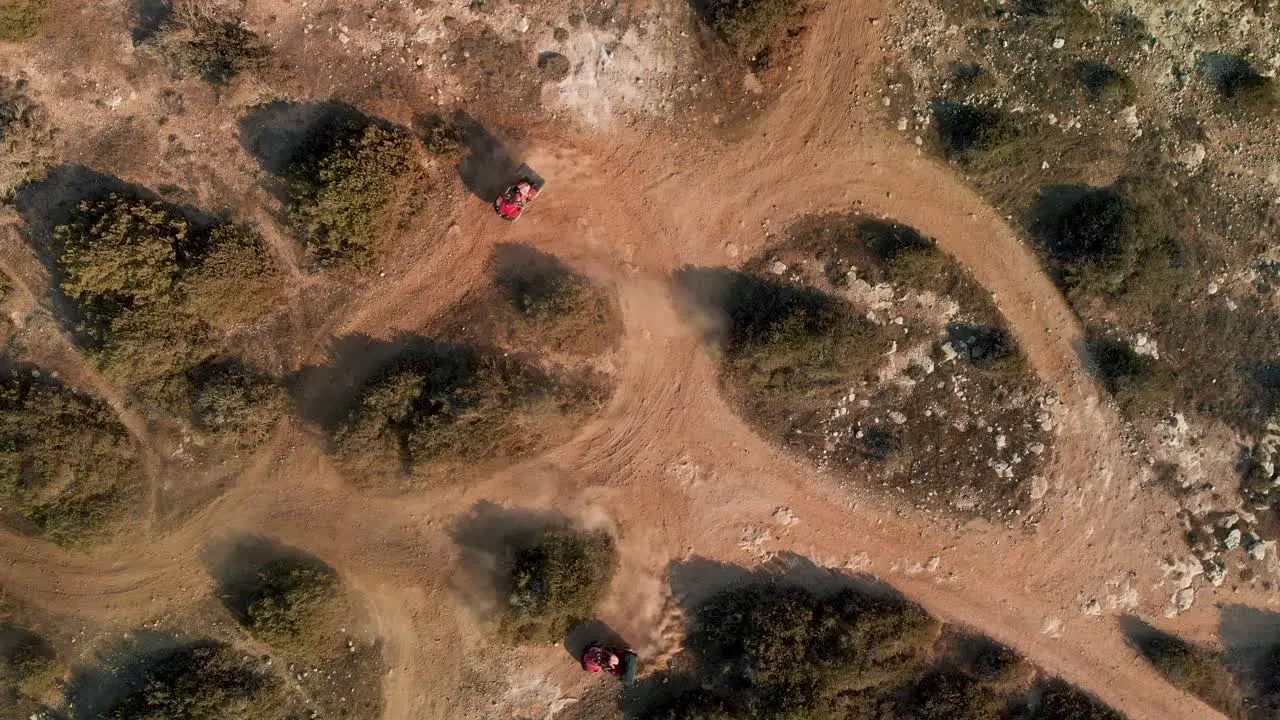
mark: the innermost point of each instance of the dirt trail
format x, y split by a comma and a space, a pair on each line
667, 465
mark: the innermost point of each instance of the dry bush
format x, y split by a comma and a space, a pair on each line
341, 186
781, 651
234, 401
67, 465
970, 131
749, 25
1104, 84
20, 19
26, 140
1140, 385
556, 581
1059, 700
216, 51
952, 695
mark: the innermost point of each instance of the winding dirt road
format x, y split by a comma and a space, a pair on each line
667, 465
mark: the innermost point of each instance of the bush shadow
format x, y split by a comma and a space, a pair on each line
118, 671
488, 537
488, 167
276, 133
236, 561
20, 645
324, 394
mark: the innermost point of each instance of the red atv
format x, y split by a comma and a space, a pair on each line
511, 203
622, 663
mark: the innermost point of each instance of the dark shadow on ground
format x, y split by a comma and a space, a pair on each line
275, 133
149, 17
592, 632
325, 394
236, 561
1251, 640
20, 645
488, 537
116, 672
488, 167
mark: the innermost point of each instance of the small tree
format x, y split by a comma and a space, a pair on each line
556, 582
1060, 700
233, 400
1197, 669
219, 50
342, 185
291, 601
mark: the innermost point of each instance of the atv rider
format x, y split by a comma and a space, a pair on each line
596, 659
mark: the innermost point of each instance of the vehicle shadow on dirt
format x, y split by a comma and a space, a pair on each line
488, 167
236, 563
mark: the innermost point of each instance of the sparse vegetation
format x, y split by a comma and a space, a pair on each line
25, 136
970, 131
452, 404
1140, 385
343, 184
29, 669
1104, 84
291, 601
20, 19
440, 136
749, 25
67, 465
1197, 669
216, 51
556, 581
1239, 84
199, 681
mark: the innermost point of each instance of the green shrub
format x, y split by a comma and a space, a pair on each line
341, 187
1193, 668
218, 50
1140, 385
26, 138
201, 681
291, 601
786, 337
750, 24
972, 78
67, 465
122, 249
20, 19
1060, 700
139, 346
556, 582
952, 695
234, 279
452, 403
968, 131
781, 651
232, 400
1104, 84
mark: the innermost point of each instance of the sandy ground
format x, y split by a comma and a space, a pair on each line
667, 466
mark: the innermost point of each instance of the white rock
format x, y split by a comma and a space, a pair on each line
1059, 43
897, 417
523, 25
902, 124
778, 267
1232, 540
1093, 607
1229, 521
1215, 572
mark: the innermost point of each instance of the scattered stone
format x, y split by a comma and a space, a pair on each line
897, 417
1183, 599
1093, 607
1215, 572
1229, 521
778, 267
1059, 43
1232, 540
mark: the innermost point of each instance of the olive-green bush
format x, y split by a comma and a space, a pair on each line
67, 465
341, 186
235, 278
20, 19
556, 581
200, 681
291, 601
